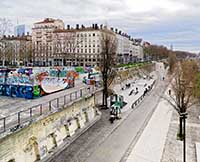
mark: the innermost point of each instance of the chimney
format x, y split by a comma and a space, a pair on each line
92, 26
77, 26
82, 26
120, 32
101, 26
27, 33
96, 26
68, 27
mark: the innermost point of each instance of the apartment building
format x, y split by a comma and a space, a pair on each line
42, 41
79, 46
16, 51
129, 50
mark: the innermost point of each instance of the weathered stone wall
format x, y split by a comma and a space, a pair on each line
37, 140
132, 73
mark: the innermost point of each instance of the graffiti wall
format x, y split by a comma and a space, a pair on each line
32, 83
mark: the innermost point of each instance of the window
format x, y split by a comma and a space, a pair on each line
85, 50
93, 34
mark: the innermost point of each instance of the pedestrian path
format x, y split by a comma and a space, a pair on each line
141, 84
149, 147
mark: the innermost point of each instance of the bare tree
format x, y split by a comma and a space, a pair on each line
171, 61
5, 26
108, 61
184, 88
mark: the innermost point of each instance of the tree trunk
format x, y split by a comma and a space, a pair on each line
105, 92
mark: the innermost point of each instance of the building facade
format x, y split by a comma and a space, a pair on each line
42, 41
16, 51
19, 30
79, 46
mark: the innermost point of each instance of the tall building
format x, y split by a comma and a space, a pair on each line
42, 41
19, 30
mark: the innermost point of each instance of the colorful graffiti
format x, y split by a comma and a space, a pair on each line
32, 83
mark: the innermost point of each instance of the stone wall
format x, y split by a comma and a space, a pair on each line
39, 139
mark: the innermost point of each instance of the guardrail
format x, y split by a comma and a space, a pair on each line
141, 97
17, 120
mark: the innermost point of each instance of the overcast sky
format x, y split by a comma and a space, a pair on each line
163, 22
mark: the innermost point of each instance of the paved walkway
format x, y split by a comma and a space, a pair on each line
150, 145
140, 84
173, 151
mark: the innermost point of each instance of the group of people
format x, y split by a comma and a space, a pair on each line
132, 91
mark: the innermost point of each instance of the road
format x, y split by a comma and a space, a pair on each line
101, 144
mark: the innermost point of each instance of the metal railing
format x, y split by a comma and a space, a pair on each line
17, 120
138, 101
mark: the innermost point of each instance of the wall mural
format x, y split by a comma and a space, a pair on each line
35, 82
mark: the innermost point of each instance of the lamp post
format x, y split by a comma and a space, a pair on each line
184, 117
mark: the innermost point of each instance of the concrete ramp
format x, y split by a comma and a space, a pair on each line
50, 85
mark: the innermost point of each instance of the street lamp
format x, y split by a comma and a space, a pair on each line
184, 116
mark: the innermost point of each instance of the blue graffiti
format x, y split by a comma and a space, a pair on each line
17, 91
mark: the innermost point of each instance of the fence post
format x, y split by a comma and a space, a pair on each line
81, 92
64, 99
4, 124
49, 105
40, 109
31, 112
70, 96
57, 102
76, 94
19, 118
